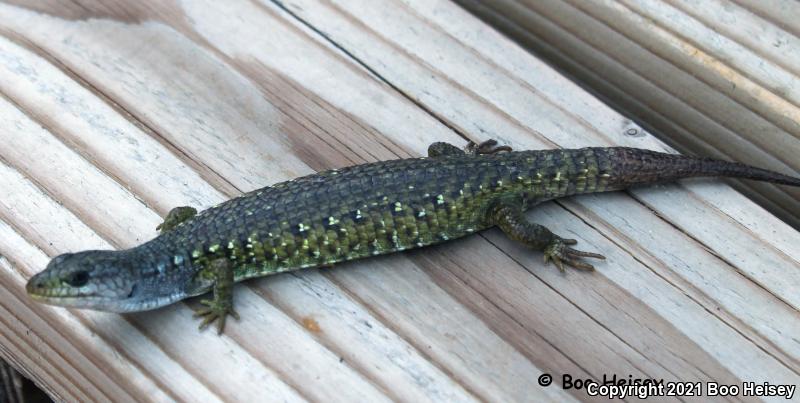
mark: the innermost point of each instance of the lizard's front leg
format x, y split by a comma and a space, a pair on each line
175, 217
510, 218
218, 308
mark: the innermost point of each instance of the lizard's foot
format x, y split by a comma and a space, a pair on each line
215, 311
561, 254
486, 147
175, 217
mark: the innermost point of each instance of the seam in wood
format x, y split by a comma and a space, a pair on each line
521, 350
48, 379
722, 320
49, 370
328, 345
68, 340
755, 50
716, 254
375, 313
760, 115
731, 317
191, 161
134, 362
464, 90
696, 45
507, 73
288, 380
23, 364
45, 192
211, 386
279, 4
311, 131
739, 224
575, 305
324, 106
762, 15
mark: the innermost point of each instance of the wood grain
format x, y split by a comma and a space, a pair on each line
112, 113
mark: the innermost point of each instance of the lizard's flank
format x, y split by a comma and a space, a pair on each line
356, 212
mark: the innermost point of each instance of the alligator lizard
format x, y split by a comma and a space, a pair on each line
355, 212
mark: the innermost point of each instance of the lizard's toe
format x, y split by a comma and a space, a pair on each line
574, 252
487, 147
561, 254
215, 312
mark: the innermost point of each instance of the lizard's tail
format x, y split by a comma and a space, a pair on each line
636, 166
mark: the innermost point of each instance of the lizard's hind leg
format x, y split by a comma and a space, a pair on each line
439, 149
511, 220
487, 147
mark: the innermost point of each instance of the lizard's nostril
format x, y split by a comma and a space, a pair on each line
33, 285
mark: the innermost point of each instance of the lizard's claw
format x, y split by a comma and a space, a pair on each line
561, 254
215, 311
486, 147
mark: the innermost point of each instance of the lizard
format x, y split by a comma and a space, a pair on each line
356, 212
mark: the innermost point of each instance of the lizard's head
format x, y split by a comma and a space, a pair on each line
98, 279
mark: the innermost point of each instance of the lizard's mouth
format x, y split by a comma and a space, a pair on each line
66, 301
95, 303
98, 303
51, 290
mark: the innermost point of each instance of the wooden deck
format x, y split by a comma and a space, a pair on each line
112, 113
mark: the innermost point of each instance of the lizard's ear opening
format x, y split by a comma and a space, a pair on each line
134, 290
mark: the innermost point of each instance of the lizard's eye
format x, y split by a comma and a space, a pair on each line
78, 278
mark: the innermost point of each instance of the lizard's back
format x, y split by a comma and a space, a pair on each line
353, 212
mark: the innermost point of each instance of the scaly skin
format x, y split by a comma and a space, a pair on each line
355, 212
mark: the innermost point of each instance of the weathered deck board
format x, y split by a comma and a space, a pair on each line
714, 78
111, 114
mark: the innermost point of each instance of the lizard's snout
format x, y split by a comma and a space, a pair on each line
63, 277
35, 285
